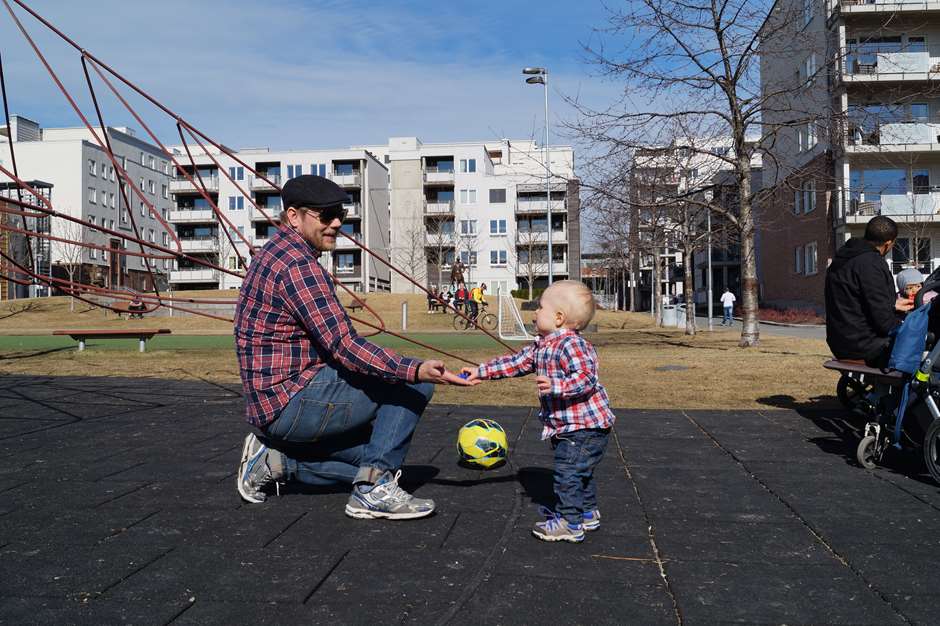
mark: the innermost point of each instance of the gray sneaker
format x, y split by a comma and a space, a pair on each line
259, 467
387, 500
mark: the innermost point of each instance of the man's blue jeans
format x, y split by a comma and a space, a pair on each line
342, 421
576, 455
728, 320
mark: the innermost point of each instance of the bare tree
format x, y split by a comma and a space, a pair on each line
530, 255
69, 252
411, 257
693, 67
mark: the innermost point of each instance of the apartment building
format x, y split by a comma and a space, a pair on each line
486, 203
87, 186
866, 140
237, 191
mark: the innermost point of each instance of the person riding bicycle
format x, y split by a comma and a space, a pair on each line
477, 300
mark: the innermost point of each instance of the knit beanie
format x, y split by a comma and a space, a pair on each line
910, 276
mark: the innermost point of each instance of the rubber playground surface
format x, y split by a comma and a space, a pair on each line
119, 506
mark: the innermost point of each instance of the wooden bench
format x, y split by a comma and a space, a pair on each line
141, 334
872, 374
435, 305
355, 305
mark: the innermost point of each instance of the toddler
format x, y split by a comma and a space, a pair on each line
909, 282
575, 409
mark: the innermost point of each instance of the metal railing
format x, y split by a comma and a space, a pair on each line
924, 205
211, 183
538, 206
346, 179
191, 215
880, 60
866, 6
540, 236
192, 276
260, 183
353, 209
892, 131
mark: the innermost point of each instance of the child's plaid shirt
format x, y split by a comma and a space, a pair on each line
576, 399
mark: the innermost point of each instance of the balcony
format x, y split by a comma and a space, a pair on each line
541, 269
872, 7
434, 174
860, 207
353, 209
353, 179
199, 244
539, 206
263, 185
194, 276
440, 240
272, 210
342, 243
191, 216
873, 65
438, 207
525, 237
184, 185
920, 134
348, 271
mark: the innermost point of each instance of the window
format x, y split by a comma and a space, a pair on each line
143, 161
810, 264
797, 202
151, 187
166, 264
92, 253
163, 192
468, 165
142, 186
809, 196
901, 255
166, 239
166, 167
468, 227
231, 203
808, 70
497, 258
345, 263
807, 12
111, 173
110, 224
468, 196
92, 169
123, 162
497, 196
123, 216
92, 195
798, 260
151, 235
236, 173
497, 227
111, 199
293, 171
468, 258
91, 220
104, 255
143, 210
807, 136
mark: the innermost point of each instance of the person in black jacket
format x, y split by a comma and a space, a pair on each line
860, 296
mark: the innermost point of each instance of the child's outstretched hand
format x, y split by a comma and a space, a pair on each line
470, 374
544, 383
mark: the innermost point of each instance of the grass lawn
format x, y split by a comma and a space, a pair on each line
641, 366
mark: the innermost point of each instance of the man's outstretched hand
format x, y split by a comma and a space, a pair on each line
434, 371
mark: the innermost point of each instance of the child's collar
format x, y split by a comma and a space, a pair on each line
557, 334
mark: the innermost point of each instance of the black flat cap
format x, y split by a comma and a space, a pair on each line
311, 191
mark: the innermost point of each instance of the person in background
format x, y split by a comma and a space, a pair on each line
727, 303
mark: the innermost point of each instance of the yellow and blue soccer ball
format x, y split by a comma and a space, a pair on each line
481, 443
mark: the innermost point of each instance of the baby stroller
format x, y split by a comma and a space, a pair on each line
905, 402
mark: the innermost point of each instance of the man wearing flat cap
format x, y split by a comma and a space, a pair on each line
332, 407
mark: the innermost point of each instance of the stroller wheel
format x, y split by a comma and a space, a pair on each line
932, 450
849, 390
866, 453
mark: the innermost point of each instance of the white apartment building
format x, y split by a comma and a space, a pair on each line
86, 186
485, 203
866, 81
233, 190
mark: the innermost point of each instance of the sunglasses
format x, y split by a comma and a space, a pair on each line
328, 214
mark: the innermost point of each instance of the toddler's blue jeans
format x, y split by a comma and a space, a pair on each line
576, 455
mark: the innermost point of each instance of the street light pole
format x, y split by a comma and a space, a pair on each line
709, 282
539, 75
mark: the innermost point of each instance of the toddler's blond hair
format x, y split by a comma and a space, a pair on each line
576, 300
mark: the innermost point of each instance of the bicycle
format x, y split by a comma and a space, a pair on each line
487, 321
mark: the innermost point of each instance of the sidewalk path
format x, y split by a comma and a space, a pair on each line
119, 506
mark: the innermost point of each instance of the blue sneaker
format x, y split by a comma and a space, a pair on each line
385, 499
592, 520
558, 529
259, 467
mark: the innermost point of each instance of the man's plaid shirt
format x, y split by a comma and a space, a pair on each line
289, 324
576, 399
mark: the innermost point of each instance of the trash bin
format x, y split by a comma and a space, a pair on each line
669, 315
680, 315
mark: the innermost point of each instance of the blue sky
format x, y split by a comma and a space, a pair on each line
304, 74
